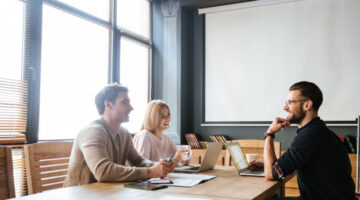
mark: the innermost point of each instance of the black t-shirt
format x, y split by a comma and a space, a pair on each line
321, 162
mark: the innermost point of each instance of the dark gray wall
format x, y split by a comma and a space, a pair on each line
192, 83
187, 73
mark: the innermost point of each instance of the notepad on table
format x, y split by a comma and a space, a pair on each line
187, 180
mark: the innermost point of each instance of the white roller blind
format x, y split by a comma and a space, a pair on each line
254, 54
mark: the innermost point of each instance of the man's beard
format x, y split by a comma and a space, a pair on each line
297, 118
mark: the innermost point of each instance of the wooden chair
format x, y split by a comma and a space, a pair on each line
6, 173
47, 165
253, 146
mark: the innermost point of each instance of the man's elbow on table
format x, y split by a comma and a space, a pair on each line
268, 175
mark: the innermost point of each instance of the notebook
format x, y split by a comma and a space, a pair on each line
209, 161
239, 159
145, 185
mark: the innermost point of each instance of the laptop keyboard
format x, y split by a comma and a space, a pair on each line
195, 168
188, 168
252, 172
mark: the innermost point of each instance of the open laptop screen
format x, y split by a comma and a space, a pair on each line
237, 155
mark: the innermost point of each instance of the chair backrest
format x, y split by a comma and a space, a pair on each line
353, 158
47, 165
6, 173
253, 146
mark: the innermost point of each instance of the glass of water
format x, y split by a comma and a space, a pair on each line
185, 154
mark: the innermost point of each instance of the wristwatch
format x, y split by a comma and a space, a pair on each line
269, 134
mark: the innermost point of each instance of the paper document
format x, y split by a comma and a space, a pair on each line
186, 179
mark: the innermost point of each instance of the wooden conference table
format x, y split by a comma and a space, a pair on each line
227, 185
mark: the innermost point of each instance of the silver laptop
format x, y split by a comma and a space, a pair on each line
209, 161
239, 159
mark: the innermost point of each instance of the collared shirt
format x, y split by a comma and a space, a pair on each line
99, 155
321, 163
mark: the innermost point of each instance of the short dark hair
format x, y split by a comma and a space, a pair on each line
310, 91
108, 93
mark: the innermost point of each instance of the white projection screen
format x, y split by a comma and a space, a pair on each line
254, 54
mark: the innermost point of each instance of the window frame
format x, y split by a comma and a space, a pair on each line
121, 32
32, 51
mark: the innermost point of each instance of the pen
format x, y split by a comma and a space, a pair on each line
170, 158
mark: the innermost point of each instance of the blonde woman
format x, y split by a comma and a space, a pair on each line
151, 142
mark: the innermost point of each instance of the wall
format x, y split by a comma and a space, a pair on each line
192, 83
167, 60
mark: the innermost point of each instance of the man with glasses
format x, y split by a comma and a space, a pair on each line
316, 154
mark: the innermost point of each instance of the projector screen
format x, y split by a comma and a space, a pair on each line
255, 53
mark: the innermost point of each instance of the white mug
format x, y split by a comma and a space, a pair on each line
251, 157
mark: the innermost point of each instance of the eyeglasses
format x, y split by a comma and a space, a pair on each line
288, 102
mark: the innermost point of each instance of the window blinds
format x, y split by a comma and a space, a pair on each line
13, 110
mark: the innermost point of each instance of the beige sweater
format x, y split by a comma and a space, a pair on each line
99, 155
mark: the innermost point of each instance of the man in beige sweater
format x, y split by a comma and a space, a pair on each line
102, 148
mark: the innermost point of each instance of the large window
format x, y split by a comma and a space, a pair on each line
134, 16
13, 90
97, 8
11, 38
75, 57
134, 73
74, 68
71, 50
61, 53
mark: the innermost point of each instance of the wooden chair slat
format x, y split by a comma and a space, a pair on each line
43, 156
253, 150
52, 147
251, 143
53, 168
52, 174
53, 180
49, 187
51, 162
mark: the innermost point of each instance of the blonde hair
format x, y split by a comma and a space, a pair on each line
152, 115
